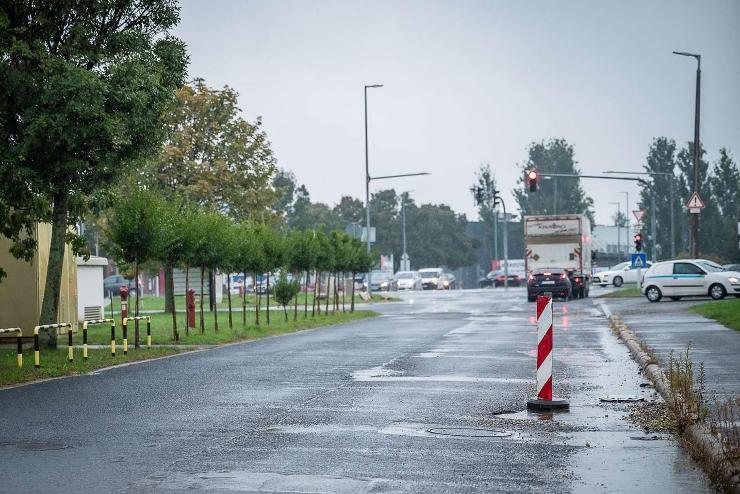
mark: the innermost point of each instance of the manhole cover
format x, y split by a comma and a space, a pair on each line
622, 399
41, 446
468, 432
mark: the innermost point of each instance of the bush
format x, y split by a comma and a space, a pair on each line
285, 291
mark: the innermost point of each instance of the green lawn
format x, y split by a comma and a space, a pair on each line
162, 327
54, 362
632, 291
149, 302
726, 312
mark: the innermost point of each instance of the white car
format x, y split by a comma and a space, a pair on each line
617, 275
689, 278
407, 280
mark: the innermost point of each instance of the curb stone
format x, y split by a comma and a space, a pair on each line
699, 435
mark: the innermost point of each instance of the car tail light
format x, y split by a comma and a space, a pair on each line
563, 276
578, 280
501, 277
531, 277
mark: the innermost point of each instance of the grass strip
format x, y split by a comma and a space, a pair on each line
726, 312
54, 362
632, 291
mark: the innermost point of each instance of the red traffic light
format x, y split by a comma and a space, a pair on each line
638, 237
532, 179
532, 175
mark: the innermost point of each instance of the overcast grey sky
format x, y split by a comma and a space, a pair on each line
468, 82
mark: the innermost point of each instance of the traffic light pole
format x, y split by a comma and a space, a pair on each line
653, 248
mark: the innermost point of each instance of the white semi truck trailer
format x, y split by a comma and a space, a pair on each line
558, 241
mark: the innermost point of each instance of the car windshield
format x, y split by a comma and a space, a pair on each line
619, 266
710, 267
404, 276
429, 274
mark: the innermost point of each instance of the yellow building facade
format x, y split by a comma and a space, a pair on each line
22, 291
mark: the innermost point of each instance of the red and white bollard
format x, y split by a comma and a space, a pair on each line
544, 399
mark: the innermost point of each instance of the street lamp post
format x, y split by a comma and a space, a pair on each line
619, 230
697, 147
368, 179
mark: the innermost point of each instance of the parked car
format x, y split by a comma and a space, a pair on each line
496, 279
689, 278
553, 280
579, 283
379, 281
732, 267
447, 281
618, 275
430, 278
114, 283
407, 280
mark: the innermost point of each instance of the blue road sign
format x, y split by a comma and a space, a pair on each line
639, 260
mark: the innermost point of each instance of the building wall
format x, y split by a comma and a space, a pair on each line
22, 291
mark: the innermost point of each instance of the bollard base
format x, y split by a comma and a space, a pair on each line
554, 404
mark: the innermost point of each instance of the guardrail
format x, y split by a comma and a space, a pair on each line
19, 339
37, 350
85, 324
148, 320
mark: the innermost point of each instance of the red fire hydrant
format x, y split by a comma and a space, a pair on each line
190, 307
124, 303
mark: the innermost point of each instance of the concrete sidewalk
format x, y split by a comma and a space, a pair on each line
668, 326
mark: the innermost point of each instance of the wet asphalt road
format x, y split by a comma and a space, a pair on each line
373, 406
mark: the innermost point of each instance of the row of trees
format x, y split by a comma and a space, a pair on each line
670, 188
143, 226
436, 234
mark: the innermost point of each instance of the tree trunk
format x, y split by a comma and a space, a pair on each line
336, 293
137, 343
268, 298
211, 289
215, 305
316, 286
328, 282
286, 313
170, 287
258, 299
228, 291
344, 290
305, 296
295, 309
202, 316
50, 306
244, 300
352, 303
187, 289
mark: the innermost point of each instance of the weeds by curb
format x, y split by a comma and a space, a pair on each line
714, 445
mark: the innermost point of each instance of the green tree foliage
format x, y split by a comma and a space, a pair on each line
620, 219
84, 85
209, 227
553, 156
484, 192
213, 156
250, 260
725, 187
135, 231
285, 291
273, 246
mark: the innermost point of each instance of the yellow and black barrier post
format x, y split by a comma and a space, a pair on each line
148, 320
112, 335
19, 341
37, 350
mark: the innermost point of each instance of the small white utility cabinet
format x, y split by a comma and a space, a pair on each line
90, 297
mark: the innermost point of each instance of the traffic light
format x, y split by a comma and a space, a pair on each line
532, 176
496, 197
638, 242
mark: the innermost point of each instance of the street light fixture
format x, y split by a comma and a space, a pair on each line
697, 147
368, 179
671, 187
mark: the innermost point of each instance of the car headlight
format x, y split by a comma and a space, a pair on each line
446, 283
733, 279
